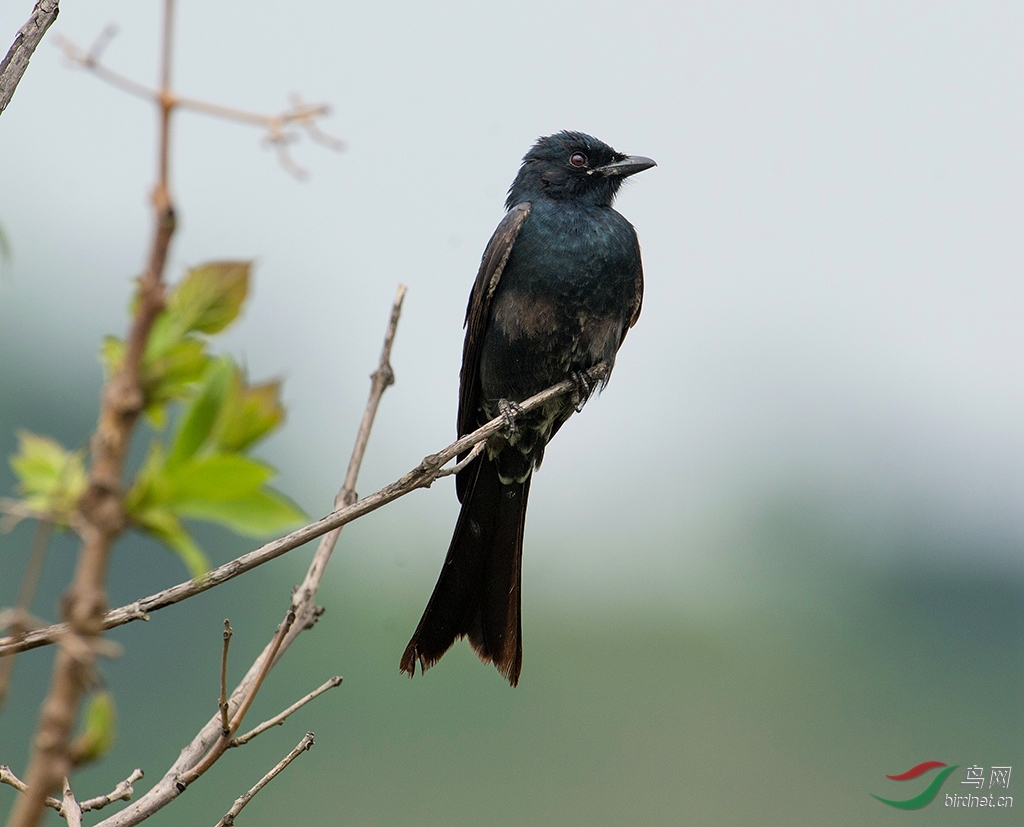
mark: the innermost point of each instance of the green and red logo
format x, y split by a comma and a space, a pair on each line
929, 792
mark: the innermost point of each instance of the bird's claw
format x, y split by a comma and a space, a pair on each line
583, 389
509, 411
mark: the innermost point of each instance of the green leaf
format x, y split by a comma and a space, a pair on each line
221, 488
98, 734
250, 413
209, 298
167, 527
216, 477
172, 376
173, 372
254, 514
202, 412
51, 478
111, 355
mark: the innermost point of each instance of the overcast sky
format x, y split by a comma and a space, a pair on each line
832, 243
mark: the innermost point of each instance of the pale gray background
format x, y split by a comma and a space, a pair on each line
826, 385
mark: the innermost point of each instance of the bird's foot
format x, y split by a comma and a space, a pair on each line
584, 388
510, 411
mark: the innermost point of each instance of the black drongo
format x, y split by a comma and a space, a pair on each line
559, 285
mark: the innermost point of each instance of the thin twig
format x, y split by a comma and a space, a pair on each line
278, 133
224, 723
422, 476
122, 792
13, 66
165, 100
380, 380
243, 705
274, 649
241, 801
462, 463
26, 594
280, 718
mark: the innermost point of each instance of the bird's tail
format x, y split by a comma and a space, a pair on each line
477, 594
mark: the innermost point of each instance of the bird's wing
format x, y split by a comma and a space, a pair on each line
639, 288
478, 313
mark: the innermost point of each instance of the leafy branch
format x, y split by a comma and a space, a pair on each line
159, 360
201, 471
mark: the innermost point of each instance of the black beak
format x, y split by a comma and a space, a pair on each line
630, 165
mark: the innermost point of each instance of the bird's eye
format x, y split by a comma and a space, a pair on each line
578, 159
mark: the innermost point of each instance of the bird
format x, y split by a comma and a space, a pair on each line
560, 283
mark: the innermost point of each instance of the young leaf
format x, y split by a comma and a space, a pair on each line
172, 376
215, 477
166, 332
202, 412
253, 514
98, 734
209, 298
250, 413
51, 478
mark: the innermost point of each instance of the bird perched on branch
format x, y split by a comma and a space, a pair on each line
559, 286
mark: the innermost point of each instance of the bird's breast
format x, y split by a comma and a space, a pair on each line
577, 258
563, 303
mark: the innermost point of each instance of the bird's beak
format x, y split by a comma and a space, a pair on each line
629, 165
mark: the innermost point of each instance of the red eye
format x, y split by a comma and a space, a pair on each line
578, 159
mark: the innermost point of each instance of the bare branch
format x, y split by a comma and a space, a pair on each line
91, 61
225, 726
301, 747
462, 463
243, 702
280, 718
13, 66
122, 792
422, 476
279, 127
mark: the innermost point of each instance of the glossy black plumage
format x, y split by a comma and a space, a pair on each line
559, 285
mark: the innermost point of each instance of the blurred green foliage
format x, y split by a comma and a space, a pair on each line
98, 734
201, 470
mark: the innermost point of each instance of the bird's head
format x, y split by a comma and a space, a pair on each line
573, 166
